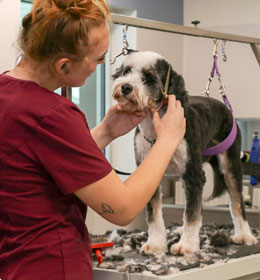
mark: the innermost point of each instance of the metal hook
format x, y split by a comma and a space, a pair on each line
224, 50
222, 88
125, 28
215, 51
124, 50
207, 88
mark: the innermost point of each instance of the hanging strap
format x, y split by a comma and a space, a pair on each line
225, 144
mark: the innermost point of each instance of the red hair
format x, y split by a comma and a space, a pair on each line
56, 28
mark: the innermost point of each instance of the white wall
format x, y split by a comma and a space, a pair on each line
167, 10
221, 12
9, 30
240, 73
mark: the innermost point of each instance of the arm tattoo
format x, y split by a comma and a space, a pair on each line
106, 209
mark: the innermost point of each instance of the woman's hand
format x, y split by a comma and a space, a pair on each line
119, 120
122, 118
172, 126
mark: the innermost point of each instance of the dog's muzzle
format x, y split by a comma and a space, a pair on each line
127, 91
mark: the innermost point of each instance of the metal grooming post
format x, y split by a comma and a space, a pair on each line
66, 92
185, 30
256, 51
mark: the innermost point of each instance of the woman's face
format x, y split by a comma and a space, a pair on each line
82, 70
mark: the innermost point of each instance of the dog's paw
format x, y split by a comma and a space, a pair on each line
152, 248
183, 247
247, 239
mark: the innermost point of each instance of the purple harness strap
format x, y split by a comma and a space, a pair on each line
224, 145
214, 67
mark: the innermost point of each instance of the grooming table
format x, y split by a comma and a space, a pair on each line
245, 268
218, 259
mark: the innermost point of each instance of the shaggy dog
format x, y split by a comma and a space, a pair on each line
140, 80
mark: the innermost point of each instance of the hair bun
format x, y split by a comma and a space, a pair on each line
74, 7
61, 27
61, 4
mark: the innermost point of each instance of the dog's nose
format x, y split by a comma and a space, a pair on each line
126, 89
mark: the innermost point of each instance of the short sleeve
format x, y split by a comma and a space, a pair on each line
67, 151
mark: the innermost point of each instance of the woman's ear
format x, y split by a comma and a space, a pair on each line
62, 66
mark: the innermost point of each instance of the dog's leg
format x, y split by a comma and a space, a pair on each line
156, 242
232, 171
194, 180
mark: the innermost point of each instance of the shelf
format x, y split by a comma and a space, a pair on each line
250, 168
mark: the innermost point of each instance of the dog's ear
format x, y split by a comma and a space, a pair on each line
129, 51
177, 87
176, 82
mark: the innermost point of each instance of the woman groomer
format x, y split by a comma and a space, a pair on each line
51, 165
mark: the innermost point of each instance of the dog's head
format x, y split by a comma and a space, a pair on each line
141, 80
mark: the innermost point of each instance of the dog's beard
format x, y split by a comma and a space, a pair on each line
133, 97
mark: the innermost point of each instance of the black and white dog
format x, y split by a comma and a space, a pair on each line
208, 121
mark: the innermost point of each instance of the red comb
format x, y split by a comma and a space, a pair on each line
97, 249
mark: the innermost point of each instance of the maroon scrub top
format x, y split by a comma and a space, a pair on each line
46, 154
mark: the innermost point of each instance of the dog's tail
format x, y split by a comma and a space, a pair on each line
220, 186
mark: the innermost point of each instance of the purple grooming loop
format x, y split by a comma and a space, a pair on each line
225, 144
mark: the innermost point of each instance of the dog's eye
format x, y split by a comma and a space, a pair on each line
127, 70
148, 78
118, 72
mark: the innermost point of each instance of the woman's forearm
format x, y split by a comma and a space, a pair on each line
100, 136
126, 199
